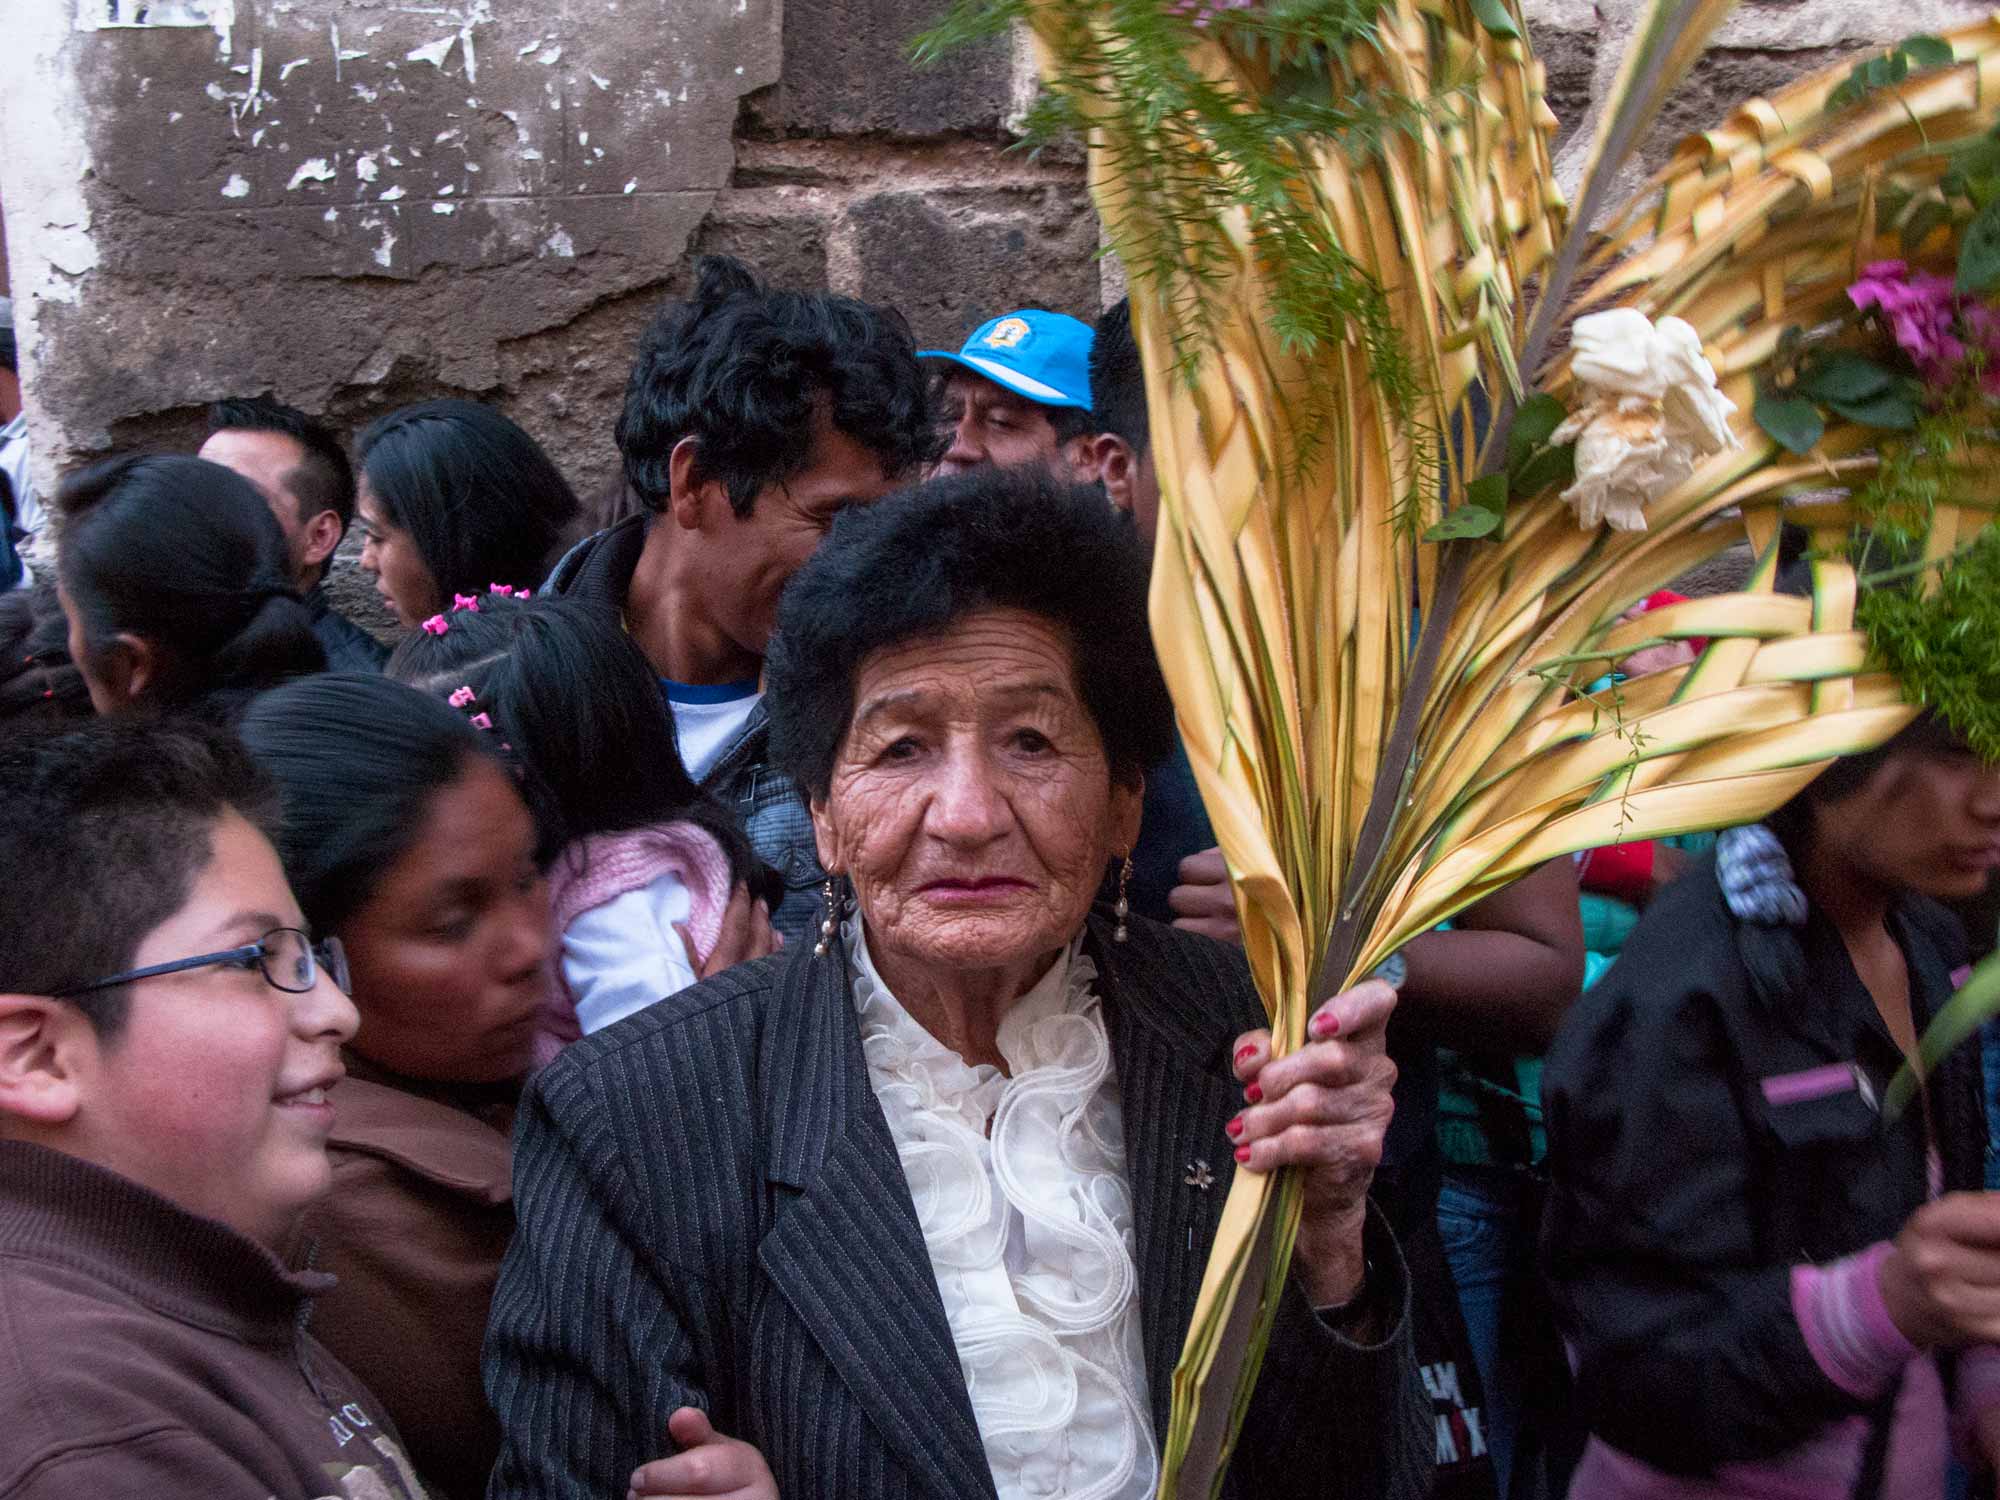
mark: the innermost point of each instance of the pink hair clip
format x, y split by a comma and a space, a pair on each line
467, 602
504, 590
525, 594
481, 721
436, 625
461, 698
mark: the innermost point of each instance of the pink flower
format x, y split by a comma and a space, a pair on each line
1925, 314
467, 602
461, 698
436, 625
481, 721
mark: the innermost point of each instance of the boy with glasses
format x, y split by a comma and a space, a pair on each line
169, 1037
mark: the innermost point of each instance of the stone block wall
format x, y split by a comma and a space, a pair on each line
354, 204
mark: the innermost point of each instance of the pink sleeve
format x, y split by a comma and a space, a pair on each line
1846, 1324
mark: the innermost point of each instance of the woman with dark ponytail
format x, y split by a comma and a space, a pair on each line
173, 578
453, 499
1767, 1284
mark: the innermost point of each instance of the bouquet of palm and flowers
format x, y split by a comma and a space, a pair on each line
1426, 428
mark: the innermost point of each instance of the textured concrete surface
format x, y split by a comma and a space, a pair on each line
358, 203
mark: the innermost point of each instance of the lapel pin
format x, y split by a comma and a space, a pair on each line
1198, 1176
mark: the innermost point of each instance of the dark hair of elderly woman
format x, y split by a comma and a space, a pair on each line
1019, 540
943, 1183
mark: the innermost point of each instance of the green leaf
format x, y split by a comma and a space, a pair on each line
1843, 376
1494, 17
1488, 492
1552, 468
1850, 90
1979, 252
1927, 51
1792, 421
1963, 1014
1540, 415
1468, 520
1891, 410
1977, 159
1924, 221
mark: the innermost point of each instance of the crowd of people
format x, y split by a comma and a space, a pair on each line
738, 995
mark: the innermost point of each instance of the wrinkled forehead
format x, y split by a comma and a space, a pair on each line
987, 661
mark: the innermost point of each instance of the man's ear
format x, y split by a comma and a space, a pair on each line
318, 537
1115, 467
692, 497
127, 666
46, 1050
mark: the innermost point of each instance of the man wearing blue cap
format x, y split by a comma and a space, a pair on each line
1018, 393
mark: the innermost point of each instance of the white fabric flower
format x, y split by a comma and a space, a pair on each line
1650, 408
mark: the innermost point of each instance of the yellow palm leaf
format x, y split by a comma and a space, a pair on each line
1365, 785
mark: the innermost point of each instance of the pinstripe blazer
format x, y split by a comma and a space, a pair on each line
712, 1211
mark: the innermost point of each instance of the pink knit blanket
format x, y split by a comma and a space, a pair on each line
606, 866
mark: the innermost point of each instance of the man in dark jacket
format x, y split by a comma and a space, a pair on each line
752, 419
168, 1040
303, 474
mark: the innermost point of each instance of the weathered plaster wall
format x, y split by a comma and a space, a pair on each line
357, 203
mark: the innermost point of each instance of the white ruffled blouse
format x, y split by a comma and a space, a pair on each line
1020, 1187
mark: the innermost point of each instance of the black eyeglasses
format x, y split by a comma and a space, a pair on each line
288, 959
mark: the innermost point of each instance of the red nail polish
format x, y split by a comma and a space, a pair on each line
1246, 1051
1254, 1093
1235, 1126
1242, 1153
1326, 1025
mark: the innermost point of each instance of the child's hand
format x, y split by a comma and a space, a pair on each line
708, 1464
746, 934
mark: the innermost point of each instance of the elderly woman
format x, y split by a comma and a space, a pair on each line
923, 1208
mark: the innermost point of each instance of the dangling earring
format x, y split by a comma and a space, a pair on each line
826, 925
1124, 907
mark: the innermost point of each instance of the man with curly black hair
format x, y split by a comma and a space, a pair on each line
752, 418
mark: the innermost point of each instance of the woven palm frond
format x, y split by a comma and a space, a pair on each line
1367, 779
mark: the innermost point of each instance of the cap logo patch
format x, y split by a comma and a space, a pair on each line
1007, 333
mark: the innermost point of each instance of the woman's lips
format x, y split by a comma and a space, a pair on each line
1977, 859
973, 892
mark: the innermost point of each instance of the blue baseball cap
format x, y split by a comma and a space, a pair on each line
1044, 356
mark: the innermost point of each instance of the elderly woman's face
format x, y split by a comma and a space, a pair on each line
972, 804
